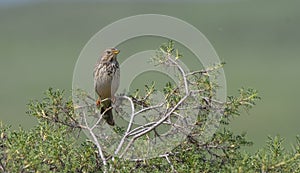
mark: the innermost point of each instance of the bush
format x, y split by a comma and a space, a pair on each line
54, 144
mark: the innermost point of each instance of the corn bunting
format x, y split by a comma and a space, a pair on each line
106, 82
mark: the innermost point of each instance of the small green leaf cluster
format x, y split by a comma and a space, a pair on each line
55, 108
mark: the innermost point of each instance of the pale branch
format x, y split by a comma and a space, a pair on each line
165, 117
139, 129
196, 72
100, 117
182, 73
96, 143
154, 125
133, 114
205, 71
171, 165
129, 124
148, 108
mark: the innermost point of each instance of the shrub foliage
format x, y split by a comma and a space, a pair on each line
56, 143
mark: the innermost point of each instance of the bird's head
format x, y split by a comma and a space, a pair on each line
110, 54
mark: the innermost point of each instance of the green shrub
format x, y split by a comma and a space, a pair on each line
54, 144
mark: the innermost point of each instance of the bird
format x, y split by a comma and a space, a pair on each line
106, 82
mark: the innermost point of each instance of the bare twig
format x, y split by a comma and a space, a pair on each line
133, 114
100, 117
154, 125
171, 165
90, 130
129, 124
182, 73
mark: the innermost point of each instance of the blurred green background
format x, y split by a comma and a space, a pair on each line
259, 40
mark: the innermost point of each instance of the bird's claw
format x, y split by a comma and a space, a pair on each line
98, 102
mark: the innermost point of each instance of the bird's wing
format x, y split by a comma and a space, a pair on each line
115, 82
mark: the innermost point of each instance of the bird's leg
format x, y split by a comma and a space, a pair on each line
98, 102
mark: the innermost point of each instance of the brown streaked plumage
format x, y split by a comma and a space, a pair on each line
106, 81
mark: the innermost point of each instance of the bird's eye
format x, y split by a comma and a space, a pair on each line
108, 52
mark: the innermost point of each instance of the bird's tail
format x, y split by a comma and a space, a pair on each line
108, 116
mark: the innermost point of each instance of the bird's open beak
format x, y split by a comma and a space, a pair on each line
116, 51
